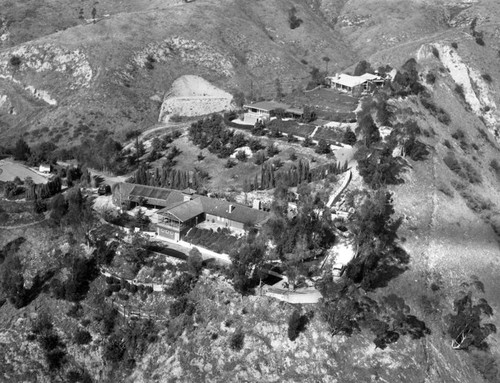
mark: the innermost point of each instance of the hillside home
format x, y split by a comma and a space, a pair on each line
355, 85
182, 210
265, 110
175, 221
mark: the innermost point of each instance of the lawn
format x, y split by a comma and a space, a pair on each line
327, 102
10, 170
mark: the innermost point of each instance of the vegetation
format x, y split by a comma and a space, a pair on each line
296, 324
293, 20
465, 327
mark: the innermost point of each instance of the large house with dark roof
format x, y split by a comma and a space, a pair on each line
174, 221
182, 210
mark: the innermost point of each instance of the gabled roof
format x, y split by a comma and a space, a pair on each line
348, 80
352, 81
162, 197
184, 211
239, 213
267, 105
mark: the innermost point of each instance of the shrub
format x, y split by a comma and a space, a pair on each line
296, 324
480, 41
430, 78
460, 91
486, 77
471, 173
115, 288
237, 340
241, 156
451, 161
495, 167
15, 61
293, 20
230, 163
149, 65
82, 337
454, 45
447, 143
435, 52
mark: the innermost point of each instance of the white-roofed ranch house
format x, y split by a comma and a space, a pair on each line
356, 85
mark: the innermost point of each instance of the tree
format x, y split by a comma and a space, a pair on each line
58, 208
309, 114
241, 156
465, 327
293, 20
378, 258
237, 340
94, 13
296, 324
239, 99
363, 67
323, 147
279, 88
21, 150
194, 263
244, 260
368, 130
349, 137
326, 59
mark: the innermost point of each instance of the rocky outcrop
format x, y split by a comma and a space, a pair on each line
193, 96
189, 51
48, 58
475, 88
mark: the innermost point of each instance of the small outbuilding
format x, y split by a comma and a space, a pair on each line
44, 168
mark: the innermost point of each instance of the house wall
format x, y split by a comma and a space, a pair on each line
168, 233
224, 221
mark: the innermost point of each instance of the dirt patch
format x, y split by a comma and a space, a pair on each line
193, 96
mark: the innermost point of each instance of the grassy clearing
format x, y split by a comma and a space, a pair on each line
328, 103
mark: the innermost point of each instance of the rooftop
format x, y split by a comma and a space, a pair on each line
185, 211
163, 197
267, 105
352, 81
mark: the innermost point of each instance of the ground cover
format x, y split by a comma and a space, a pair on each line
329, 104
14, 213
219, 241
329, 134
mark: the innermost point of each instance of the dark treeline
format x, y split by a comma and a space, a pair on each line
293, 176
170, 178
101, 152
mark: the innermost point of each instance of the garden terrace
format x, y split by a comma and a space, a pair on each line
327, 103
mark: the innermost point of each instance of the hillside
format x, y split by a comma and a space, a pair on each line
98, 76
142, 62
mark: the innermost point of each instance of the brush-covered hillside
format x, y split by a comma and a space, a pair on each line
113, 73
418, 303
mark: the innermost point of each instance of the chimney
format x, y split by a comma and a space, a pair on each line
187, 198
231, 208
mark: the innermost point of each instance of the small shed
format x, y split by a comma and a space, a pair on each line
44, 168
